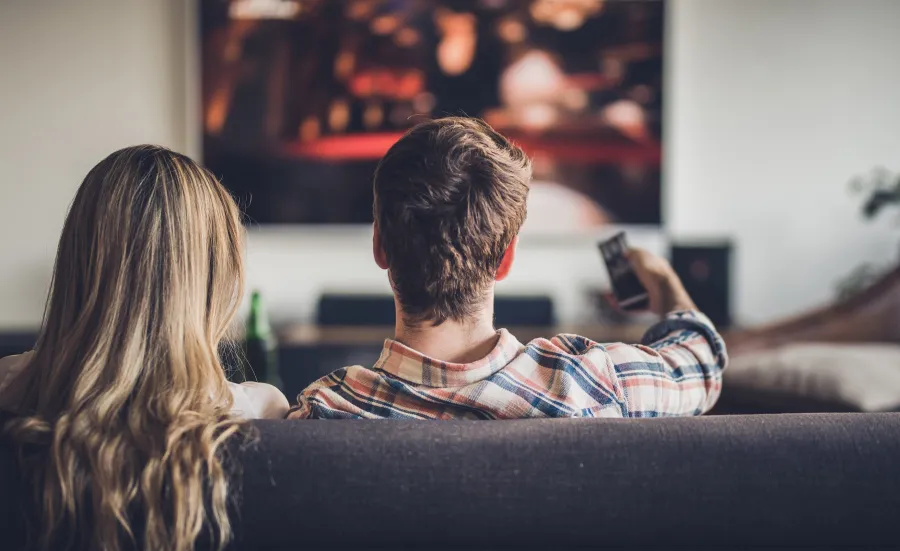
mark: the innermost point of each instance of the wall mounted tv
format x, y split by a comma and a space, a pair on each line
302, 97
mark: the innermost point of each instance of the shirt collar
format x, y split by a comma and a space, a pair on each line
403, 362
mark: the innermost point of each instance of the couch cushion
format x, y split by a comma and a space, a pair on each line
841, 377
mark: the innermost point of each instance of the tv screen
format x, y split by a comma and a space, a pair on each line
302, 97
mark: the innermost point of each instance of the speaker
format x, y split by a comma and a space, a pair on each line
362, 309
516, 310
705, 270
356, 309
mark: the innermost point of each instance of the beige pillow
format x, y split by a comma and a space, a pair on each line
861, 377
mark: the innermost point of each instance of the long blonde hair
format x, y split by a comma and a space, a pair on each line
124, 405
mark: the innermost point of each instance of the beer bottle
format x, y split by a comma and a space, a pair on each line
260, 345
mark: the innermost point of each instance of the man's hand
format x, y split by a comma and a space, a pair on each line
664, 288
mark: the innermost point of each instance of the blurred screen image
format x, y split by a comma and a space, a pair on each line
302, 97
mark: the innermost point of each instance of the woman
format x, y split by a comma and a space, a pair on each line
123, 408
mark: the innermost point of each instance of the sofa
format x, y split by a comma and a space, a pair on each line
754, 481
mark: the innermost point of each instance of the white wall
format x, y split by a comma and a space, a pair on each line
772, 107
77, 81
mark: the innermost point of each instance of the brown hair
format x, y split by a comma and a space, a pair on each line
124, 404
449, 199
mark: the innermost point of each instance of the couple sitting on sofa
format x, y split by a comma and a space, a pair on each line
148, 224
124, 397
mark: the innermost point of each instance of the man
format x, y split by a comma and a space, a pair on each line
449, 201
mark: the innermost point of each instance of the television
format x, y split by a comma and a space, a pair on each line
302, 97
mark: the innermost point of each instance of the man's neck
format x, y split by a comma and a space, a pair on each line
451, 341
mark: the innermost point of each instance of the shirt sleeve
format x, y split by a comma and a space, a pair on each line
300, 410
675, 371
303, 408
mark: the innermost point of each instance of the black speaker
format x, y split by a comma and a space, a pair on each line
356, 309
705, 270
531, 311
351, 309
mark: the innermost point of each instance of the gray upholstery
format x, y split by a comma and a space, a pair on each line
821, 480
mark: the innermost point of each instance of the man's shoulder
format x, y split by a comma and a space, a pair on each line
563, 352
343, 393
343, 376
567, 349
564, 344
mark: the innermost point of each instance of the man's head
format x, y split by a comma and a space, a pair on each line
449, 201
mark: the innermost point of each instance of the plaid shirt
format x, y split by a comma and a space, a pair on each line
677, 371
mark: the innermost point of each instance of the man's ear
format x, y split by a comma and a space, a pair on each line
378, 250
508, 257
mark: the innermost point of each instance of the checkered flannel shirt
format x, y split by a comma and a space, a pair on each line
676, 371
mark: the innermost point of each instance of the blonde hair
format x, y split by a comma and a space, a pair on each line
125, 406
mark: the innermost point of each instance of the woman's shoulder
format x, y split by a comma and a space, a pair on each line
10, 367
258, 401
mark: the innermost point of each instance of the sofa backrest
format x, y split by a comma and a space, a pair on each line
815, 480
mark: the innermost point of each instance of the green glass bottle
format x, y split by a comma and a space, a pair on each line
260, 346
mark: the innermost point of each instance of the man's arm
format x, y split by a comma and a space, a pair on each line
677, 370
664, 289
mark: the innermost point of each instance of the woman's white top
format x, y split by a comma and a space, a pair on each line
251, 400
